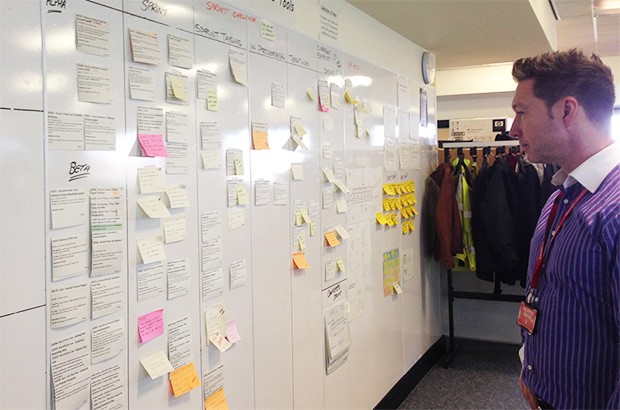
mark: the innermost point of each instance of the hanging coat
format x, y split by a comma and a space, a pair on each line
497, 235
466, 259
449, 232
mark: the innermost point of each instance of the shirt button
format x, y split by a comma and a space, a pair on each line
565, 201
529, 367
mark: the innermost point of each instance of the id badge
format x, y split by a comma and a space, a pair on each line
527, 317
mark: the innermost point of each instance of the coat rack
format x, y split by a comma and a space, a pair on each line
452, 294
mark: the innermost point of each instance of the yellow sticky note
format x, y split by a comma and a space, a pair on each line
238, 166
350, 98
398, 204
395, 218
389, 221
312, 228
299, 260
300, 128
213, 104
398, 188
184, 379
340, 264
386, 205
178, 88
381, 218
397, 288
242, 194
302, 242
405, 228
411, 225
305, 216
259, 140
332, 239
310, 94
298, 219
217, 401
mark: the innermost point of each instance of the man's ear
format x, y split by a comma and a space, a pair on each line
570, 107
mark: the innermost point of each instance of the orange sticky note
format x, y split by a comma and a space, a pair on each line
184, 379
259, 140
332, 239
217, 401
299, 259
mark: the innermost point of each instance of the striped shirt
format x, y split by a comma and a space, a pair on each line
573, 358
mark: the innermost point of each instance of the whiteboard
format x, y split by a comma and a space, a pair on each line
248, 247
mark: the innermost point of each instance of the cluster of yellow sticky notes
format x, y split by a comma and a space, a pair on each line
331, 238
392, 204
389, 219
408, 199
184, 379
408, 226
217, 401
299, 260
408, 212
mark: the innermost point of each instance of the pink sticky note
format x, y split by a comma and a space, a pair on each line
152, 145
150, 325
232, 334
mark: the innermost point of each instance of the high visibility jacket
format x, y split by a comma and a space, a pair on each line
467, 259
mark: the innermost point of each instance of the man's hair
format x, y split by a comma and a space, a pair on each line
570, 73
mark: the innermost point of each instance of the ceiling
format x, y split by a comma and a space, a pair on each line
477, 32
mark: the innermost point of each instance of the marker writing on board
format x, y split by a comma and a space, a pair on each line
77, 171
153, 6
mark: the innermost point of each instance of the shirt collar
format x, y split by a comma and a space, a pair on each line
592, 171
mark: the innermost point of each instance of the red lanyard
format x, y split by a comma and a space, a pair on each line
538, 268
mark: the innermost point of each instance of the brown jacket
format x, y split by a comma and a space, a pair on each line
449, 238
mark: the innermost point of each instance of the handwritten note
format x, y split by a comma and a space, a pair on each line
150, 325
217, 401
156, 364
331, 238
184, 379
152, 145
299, 259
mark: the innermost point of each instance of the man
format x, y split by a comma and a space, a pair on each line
571, 318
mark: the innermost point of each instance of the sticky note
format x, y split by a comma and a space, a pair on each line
310, 94
397, 288
156, 364
152, 145
341, 206
381, 218
312, 228
213, 103
331, 238
342, 231
299, 128
232, 333
150, 325
302, 242
340, 264
178, 88
242, 194
305, 216
220, 342
217, 401
184, 379
298, 171
299, 260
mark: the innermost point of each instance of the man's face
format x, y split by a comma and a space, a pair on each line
540, 135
